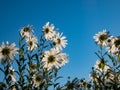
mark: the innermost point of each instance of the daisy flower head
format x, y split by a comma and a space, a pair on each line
109, 78
53, 59
26, 31
37, 79
11, 72
48, 30
93, 76
60, 41
32, 67
32, 42
109, 41
114, 47
100, 64
63, 58
7, 52
101, 37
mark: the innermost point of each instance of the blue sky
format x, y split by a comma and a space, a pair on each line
79, 20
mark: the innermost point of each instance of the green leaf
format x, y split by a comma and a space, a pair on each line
98, 55
2, 70
29, 57
6, 71
20, 41
119, 57
34, 55
23, 67
58, 78
21, 51
101, 46
17, 72
113, 59
102, 65
2, 84
56, 84
18, 62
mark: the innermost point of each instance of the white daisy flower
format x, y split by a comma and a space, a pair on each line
13, 87
114, 46
37, 79
26, 31
59, 41
101, 37
32, 67
49, 31
54, 59
94, 76
32, 42
63, 59
101, 66
109, 78
7, 52
98, 66
109, 41
11, 71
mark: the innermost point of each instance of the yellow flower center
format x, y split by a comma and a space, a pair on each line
51, 59
38, 78
58, 40
103, 37
46, 30
30, 43
11, 72
5, 51
26, 29
117, 42
32, 66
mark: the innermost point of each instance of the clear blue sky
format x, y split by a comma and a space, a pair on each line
79, 20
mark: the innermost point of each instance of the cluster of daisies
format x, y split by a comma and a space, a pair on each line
27, 33
112, 43
51, 58
102, 70
54, 58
